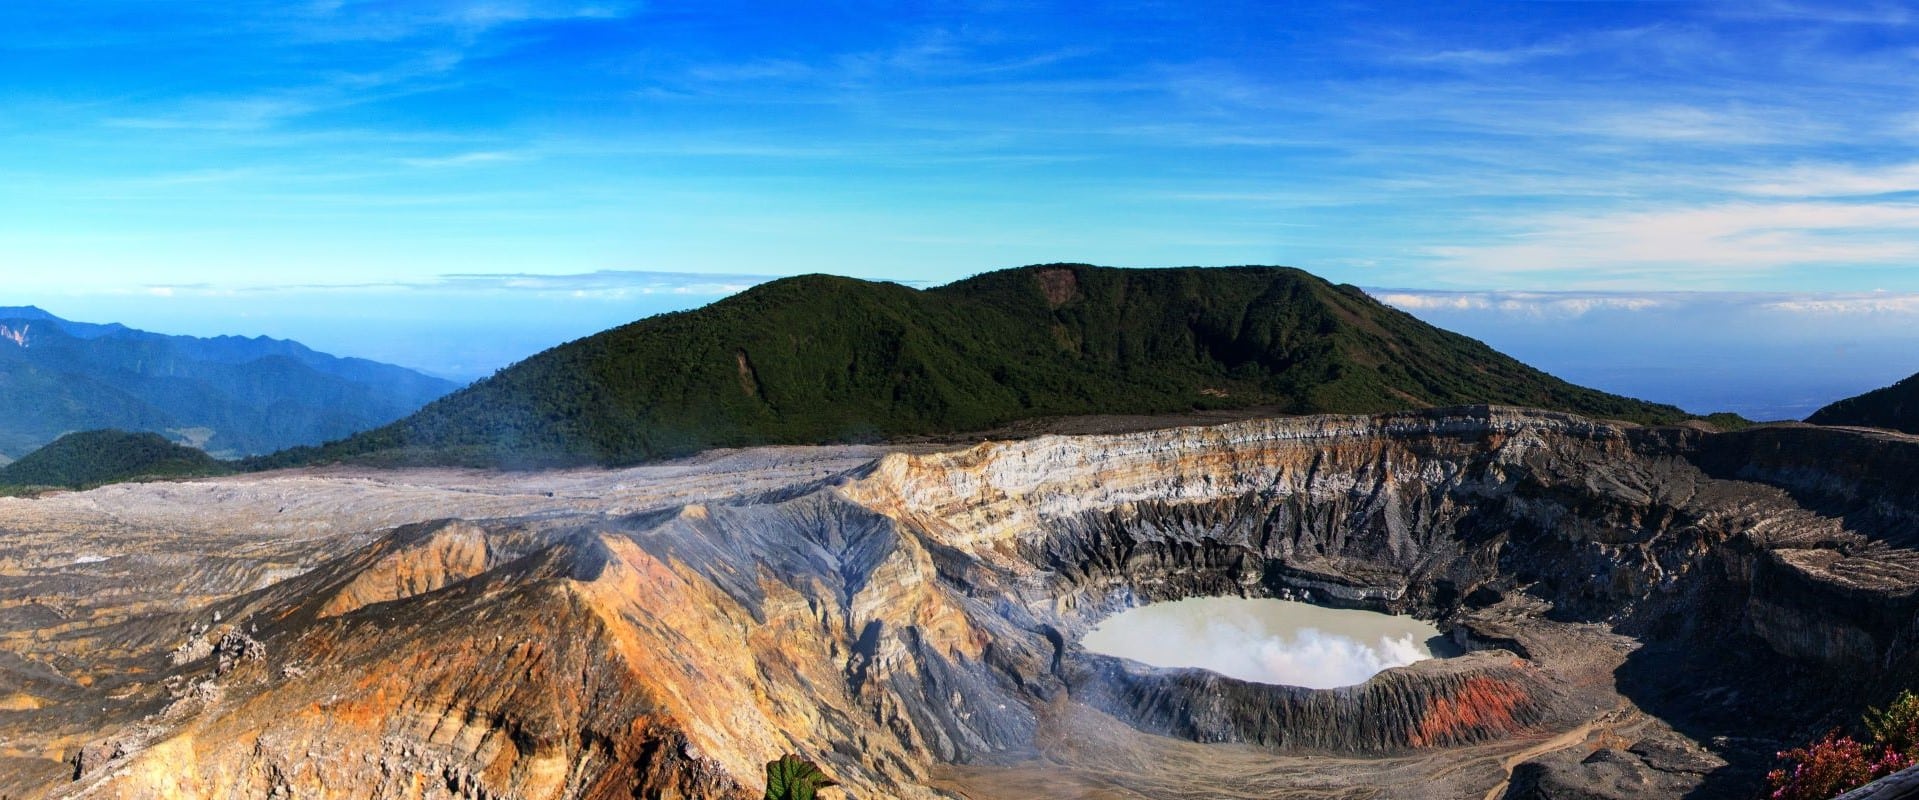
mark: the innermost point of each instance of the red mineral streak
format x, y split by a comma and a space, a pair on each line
1480, 704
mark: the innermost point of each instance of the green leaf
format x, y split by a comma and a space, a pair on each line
795, 778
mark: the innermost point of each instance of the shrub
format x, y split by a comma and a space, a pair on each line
1896, 729
795, 778
1826, 769
1837, 764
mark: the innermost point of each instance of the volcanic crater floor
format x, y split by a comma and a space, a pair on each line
1646, 613
1618, 749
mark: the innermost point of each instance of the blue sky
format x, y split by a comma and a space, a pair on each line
453, 184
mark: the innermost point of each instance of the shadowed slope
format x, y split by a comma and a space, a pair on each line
1895, 407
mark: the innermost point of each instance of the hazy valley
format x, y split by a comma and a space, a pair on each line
231, 396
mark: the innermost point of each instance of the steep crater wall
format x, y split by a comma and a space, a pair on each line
1680, 538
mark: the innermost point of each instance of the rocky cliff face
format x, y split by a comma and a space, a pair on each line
911, 620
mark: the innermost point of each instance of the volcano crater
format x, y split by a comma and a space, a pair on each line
1638, 611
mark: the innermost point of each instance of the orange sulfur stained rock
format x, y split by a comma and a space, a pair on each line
1479, 709
449, 554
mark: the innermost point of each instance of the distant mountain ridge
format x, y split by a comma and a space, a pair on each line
231, 395
820, 358
26, 315
1894, 407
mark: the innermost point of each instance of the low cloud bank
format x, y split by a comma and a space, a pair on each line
1766, 355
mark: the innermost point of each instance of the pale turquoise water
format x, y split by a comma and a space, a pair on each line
1263, 640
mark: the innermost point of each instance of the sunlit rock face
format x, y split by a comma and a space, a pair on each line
1658, 609
1263, 640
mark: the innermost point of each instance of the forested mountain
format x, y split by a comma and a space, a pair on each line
92, 458
819, 358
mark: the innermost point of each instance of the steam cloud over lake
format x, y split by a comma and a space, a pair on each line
1266, 641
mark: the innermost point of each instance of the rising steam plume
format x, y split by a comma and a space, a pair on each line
1266, 641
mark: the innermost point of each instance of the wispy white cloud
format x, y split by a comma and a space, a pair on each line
219, 114
1660, 144
367, 64
1649, 122
273, 109
1666, 44
601, 284
1684, 123
779, 70
1851, 12
171, 180
364, 20
1541, 304
1710, 304
1847, 304
1480, 57
1834, 180
428, 64
463, 159
1696, 242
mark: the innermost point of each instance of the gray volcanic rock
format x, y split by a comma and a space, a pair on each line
1649, 612
1479, 697
1901, 785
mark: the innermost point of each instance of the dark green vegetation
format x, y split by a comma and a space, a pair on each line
93, 458
1895, 407
795, 778
230, 395
823, 359
1727, 421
